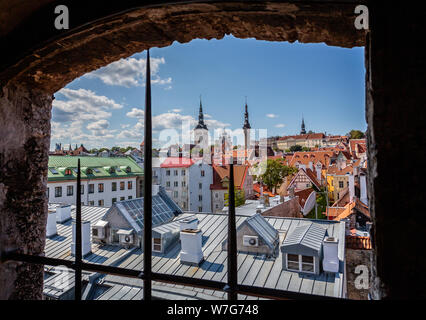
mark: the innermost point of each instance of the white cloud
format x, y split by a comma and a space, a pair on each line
271, 115
136, 113
176, 110
130, 72
98, 125
280, 125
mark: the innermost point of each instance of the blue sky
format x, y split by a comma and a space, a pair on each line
282, 82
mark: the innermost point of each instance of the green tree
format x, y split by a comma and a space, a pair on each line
240, 198
356, 134
306, 149
275, 172
295, 148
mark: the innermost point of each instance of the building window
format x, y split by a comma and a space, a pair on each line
216, 195
308, 264
184, 205
91, 188
130, 197
176, 183
293, 262
183, 183
70, 190
68, 172
92, 203
200, 209
129, 185
100, 187
122, 185
183, 172
58, 192
301, 263
175, 194
167, 172
200, 197
202, 173
340, 184
176, 172
217, 206
48, 191
200, 186
101, 203
167, 183
114, 186
114, 200
82, 189
156, 244
122, 198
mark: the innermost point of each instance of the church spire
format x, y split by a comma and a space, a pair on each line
201, 124
303, 131
246, 118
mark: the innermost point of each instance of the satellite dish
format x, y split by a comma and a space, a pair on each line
127, 239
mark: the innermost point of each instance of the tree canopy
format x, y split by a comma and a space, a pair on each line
240, 198
275, 172
295, 148
356, 134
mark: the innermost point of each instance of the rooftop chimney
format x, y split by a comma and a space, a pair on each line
189, 223
351, 188
63, 213
311, 165
155, 189
363, 188
330, 262
86, 246
191, 242
51, 224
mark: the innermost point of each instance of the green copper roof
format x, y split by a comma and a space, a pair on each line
100, 167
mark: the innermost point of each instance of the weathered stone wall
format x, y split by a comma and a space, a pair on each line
290, 208
24, 146
396, 116
356, 258
51, 66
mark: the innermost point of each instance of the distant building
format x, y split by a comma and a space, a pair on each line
104, 180
188, 183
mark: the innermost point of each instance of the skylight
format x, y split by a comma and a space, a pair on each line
53, 170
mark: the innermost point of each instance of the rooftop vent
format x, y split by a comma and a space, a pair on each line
51, 224
330, 262
191, 241
86, 246
63, 213
189, 223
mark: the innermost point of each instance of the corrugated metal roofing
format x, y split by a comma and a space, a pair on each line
310, 236
253, 269
263, 229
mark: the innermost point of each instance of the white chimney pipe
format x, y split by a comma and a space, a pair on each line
155, 189
189, 223
330, 262
63, 213
191, 242
51, 224
363, 187
319, 177
351, 188
86, 246
311, 166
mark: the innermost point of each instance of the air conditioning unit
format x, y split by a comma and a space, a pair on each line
250, 241
126, 237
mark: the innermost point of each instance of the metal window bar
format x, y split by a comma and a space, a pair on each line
231, 286
147, 200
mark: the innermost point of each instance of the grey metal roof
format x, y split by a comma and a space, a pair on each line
264, 229
310, 236
163, 210
253, 269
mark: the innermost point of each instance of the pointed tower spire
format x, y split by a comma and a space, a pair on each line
303, 131
201, 124
246, 118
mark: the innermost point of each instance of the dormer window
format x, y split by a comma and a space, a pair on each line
89, 171
68, 172
128, 169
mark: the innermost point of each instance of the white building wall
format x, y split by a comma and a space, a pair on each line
176, 184
107, 195
195, 178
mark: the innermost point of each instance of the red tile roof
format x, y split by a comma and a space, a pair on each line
221, 172
303, 195
177, 162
